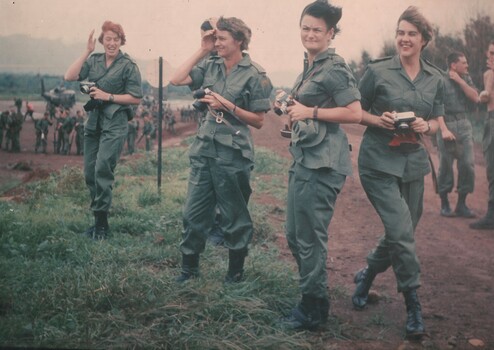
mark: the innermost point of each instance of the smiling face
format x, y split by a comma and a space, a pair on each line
314, 34
408, 40
111, 43
225, 45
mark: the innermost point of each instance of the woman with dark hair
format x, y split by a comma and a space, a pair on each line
324, 96
222, 154
118, 86
393, 161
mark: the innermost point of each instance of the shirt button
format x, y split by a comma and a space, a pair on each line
212, 132
413, 88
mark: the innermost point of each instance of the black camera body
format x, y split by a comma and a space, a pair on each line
284, 100
403, 120
85, 86
198, 94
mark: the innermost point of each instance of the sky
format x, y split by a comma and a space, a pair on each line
170, 28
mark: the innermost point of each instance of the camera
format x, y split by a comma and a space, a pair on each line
403, 120
284, 100
198, 94
85, 86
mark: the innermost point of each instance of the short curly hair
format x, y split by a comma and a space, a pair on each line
237, 28
412, 15
114, 27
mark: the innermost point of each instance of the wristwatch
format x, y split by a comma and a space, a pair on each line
111, 98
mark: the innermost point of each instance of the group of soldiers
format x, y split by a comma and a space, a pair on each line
11, 122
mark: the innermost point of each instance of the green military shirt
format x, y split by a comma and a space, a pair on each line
122, 77
385, 87
247, 86
455, 100
328, 83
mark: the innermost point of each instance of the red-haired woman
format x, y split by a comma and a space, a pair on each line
118, 86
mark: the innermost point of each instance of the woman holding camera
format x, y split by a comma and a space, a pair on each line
222, 154
118, 86
393, 162
324, 96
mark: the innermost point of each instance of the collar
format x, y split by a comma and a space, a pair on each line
102, 57
321, 56
396, 64
245, 61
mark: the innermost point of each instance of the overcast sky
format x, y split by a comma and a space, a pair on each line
170, 28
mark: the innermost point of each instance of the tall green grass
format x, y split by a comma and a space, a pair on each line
60, 289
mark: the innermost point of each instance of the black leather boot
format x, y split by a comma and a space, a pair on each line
305, 316
461, 207
363, 279
415, 325
190, 268
445, 208
236, 259
487, 222
101, 229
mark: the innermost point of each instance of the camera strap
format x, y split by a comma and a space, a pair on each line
220, 119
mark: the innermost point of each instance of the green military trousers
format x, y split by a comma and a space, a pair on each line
488, 149
222, 181
104, 137
311, 200
400, 207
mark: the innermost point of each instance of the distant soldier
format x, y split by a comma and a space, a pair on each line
148, 130
8, 117
18, 104
132, 134
29, 111
487, 97
42, 126
60, 117
16, 126
455, 136
3, 125
67, 127
79, 132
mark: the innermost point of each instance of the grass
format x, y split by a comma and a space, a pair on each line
60, 289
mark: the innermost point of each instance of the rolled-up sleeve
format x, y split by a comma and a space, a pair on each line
261, 92
133, 84
367, 90
197, 75
438, 108
341, 84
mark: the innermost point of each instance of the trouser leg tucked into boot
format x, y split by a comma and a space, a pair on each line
461, 207
306, 316
415, 325
487, 222
363, 279
190, 268
445, 208
236, 259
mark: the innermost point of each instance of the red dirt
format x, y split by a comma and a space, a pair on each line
457, 262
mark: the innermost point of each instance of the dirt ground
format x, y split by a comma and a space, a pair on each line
457, 263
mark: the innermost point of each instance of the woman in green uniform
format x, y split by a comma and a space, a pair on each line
118, 85
393, 161
222, 154
324, 95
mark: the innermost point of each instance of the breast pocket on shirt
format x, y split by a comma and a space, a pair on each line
425, 105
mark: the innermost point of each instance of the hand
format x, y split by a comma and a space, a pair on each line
98, 94
419, 125
387, 121
208, 39
91, 43
216, 101
298, 111
455, 76
448, 135
490, 63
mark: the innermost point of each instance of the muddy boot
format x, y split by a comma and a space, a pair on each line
445, 208
415, 325
306, 316
190, 268
363, 279
461, 207
487, 222
236, 259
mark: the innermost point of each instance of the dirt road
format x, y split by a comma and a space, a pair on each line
457, 263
